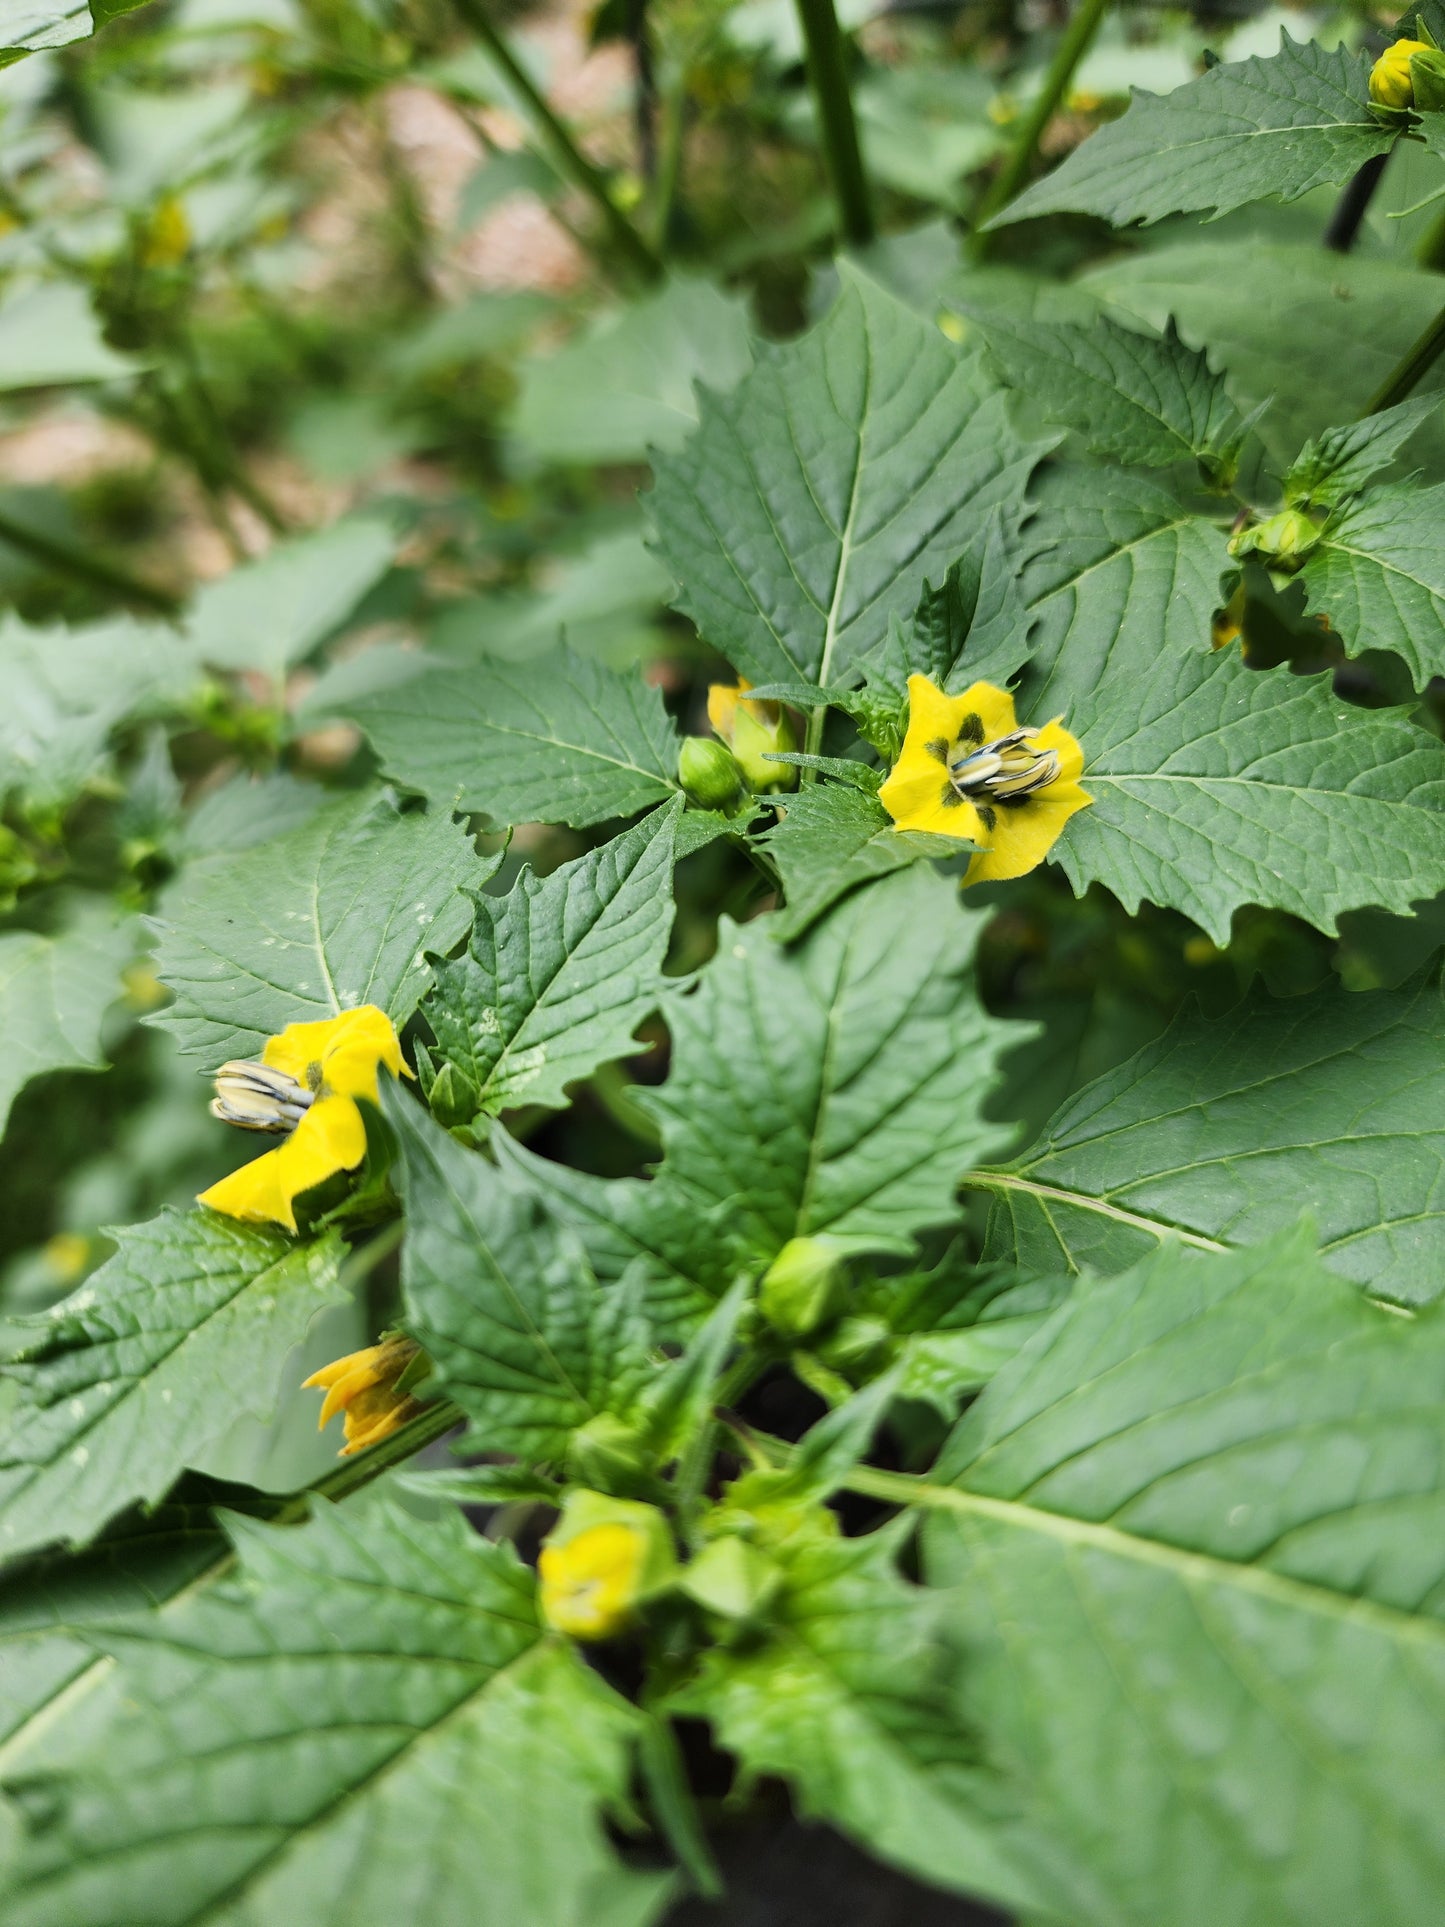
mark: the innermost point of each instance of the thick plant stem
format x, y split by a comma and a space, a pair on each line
1430, 252
570, 159
62, 559
828, 76
1350, 210
1415, 365
1015, 170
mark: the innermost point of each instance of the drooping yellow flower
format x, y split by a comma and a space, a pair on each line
752, 730
967, 769
305, 1085
1391, 82
373, 1388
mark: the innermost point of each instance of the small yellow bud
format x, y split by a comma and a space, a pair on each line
753, 730
168, 234
1391, 83
599, 1562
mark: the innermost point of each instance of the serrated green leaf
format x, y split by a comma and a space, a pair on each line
335, 913
1213, 785
838, 1086
1312, 332
559, 972
501, 1296
556, 740
177, 1336
1248, 129
831, 839
367, 1727
815, 499
624, 1222
1224, 1129
1378, 572
54, 992
846, 1700
1194, 1539
628, 383
1328, 471
1132, 396
271, 613
66, 690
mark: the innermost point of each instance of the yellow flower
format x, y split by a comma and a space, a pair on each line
373, 1388
600, 1560
1391, 82
968, 770
590, 1585
304, 1085
751, 730
167, 234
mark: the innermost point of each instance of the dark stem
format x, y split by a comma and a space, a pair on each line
82, 565
1414, 366
1015, 170
645, 100
838, 130
1344, 225
570, 159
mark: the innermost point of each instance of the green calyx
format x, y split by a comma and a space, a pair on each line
800, 1289
732, 1578
1283, 540
608, 1453
709, 774
453, 1097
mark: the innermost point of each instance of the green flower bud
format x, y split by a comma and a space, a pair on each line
453, 1097
600, 1562
732, 1578
1283, 541
857, 1345
709, 774
800, 1289
607, 1453
754, 730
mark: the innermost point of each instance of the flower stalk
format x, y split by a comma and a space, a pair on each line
1015, 171
1414, 365
837, 127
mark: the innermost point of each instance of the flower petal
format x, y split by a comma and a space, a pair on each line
1023, 837
255, 1193
917, 793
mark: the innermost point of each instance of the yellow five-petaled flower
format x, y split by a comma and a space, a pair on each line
305, 1086
967, 769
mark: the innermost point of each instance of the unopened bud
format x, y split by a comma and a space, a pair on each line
800, 1288
708, 773
453, 1097
606, 1452
754, 730
599, 1563
1391, 80
732, 1578
1283, 541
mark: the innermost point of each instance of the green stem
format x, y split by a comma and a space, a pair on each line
1430, 249
1415, 364
228, 464
61, 559
669, 160
696, 1461
571, 160
665, 1777
1015, 170
828, 77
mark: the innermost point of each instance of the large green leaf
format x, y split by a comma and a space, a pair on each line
177, 1336
1328, 472
365, 1727
628, 383
847, 1700
1226, 1128
50, 333
829, 841
846, 468
652, 1225
556, 740
837, 1087
1298, 120
335, 913
1379, 575
1132, 396
1195, 1541
501, 1296
269, 614
1312, 332
54, 991
1213, 785
67, 689
559, 972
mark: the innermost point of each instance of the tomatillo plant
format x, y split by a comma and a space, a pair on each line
799, 787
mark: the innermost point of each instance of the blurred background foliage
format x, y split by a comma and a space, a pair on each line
316, 363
